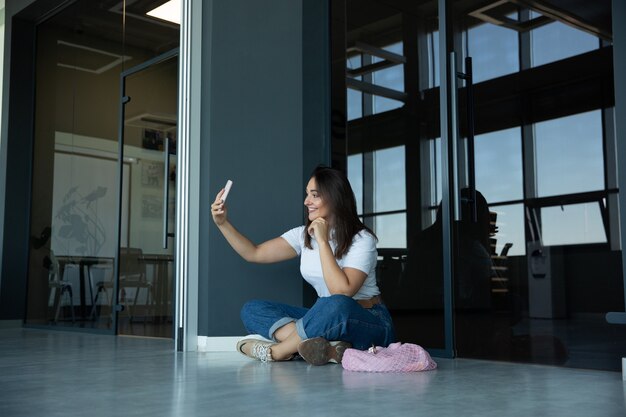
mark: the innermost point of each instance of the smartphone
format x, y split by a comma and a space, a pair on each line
229, 184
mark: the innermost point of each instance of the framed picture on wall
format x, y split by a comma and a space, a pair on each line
152, 139
151, 207
152, 174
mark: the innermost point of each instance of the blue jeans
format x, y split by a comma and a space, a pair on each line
337, 317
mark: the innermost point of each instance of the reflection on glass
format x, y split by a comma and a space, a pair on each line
495, 312
355, 104
391, 230
74, 215
392, 78
390, 189
355, 176
509, 221
572, 224
146, 268
436, 157
570, 154
494, 51
355, 98
76, 178
382, 104
498, 157
82, 204
433, 59
556, 41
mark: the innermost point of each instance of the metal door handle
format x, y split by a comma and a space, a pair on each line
166, 189
471, 167
454, 123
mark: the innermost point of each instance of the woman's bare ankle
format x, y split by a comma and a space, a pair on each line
279, 354
284, 332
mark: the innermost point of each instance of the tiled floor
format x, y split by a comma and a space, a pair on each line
48, 373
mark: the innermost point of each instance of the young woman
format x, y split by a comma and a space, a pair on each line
338, 258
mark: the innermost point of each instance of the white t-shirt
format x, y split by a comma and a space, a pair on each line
361, 255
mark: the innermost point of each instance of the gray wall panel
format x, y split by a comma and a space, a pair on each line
253, 129
315, 94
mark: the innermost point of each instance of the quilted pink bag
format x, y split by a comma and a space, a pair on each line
397, 357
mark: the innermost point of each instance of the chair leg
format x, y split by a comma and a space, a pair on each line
58, 296
69, 290
137, 289
153, 303
94, 306
127, 307
57, 303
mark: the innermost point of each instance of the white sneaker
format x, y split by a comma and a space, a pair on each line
260, 347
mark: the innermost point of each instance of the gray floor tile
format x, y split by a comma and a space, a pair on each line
48, 373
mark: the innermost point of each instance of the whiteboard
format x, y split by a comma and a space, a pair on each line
84, 205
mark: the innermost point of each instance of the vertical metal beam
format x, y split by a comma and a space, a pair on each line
369, 170
619, 69
528, 138
338, 110
445, 74
611, 182
187, 178
316, 94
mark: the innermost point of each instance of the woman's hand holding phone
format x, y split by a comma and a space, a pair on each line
218, 208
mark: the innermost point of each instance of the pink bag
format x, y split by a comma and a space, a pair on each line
397, 357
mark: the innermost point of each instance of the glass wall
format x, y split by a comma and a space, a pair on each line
85, 190
535, 259
393, 156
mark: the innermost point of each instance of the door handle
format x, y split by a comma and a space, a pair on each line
166, 189
471, 167
454, 123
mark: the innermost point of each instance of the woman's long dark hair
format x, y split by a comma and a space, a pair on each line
334, 188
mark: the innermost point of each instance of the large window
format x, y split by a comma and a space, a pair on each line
572, 224
389, 174
569, 154
355, 175
380, 81
382, 201
354, 97
494, 51
392, 78
499, 173
557, 41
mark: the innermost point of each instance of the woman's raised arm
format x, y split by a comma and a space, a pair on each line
274, 250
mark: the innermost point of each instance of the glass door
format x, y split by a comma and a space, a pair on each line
76, 216
536, 257
386, 118
145, 285
483, 158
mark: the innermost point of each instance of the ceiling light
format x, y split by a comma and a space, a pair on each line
169, 11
